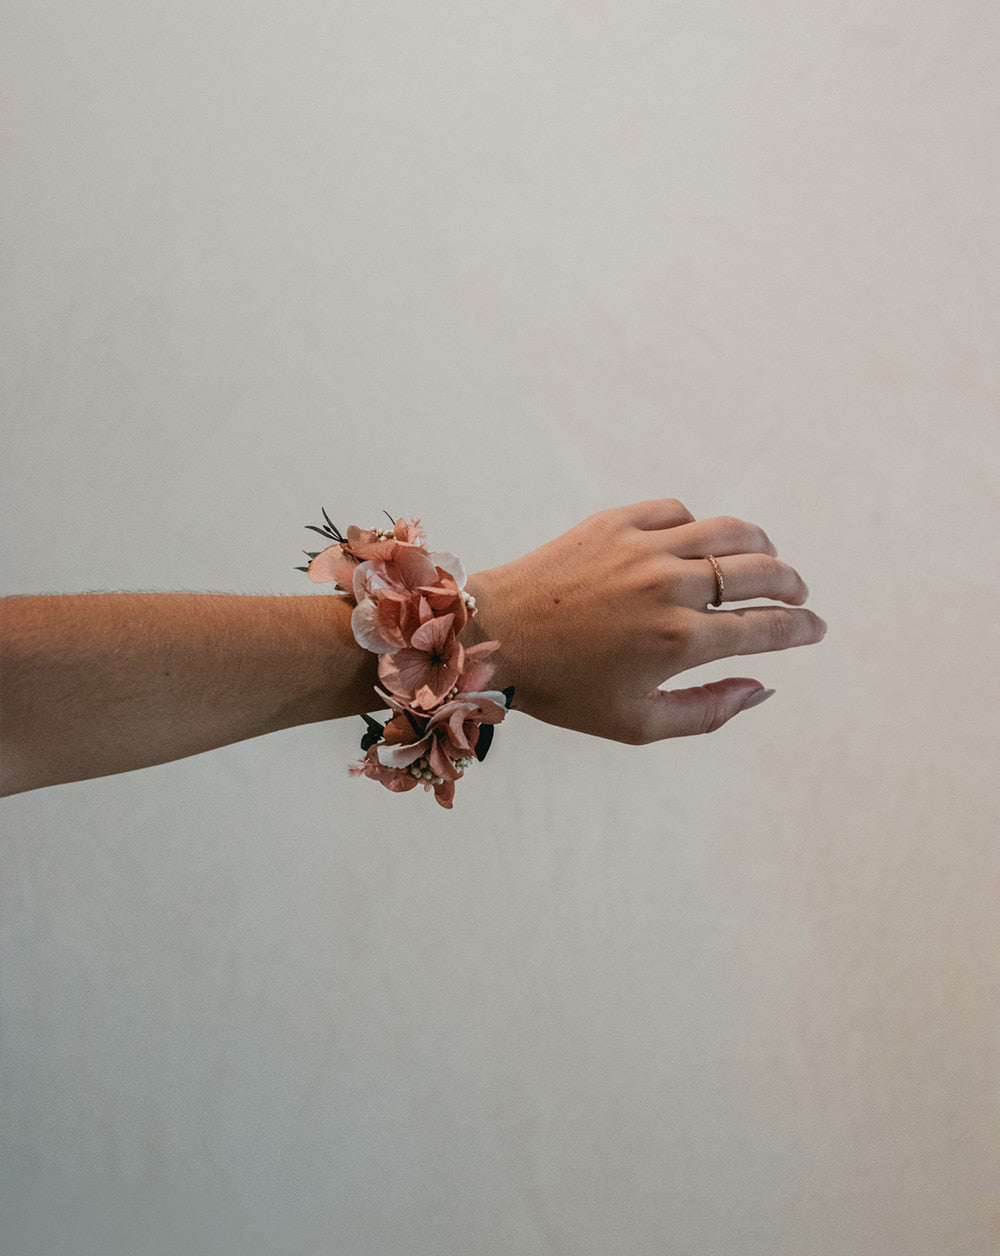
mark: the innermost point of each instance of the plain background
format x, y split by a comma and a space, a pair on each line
499, 266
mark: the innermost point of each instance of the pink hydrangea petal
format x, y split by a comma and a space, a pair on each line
399, 782
397, 618
366, 629
475, 675
484, 708
402, 672
441, 765
366, 545
332, 564
450, 564
402, 756
445, 793
411, 568
409, 532
367, 581
440, 679
433, 635
390, 700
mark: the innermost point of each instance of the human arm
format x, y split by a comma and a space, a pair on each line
589, 626
93, 684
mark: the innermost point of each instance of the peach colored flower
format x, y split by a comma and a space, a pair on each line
333, 563
409, 568
337, 562
368, 587
397, 617
445, 598
390, 607
409, 532
375, 545
449, 737
425, 671
399, 780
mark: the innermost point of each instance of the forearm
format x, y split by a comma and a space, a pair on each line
98, 683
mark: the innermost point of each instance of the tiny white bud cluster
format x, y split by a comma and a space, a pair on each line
422, 771
470, 602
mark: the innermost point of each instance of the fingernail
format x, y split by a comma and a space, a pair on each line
757, 698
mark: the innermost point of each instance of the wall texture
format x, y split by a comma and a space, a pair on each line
501, 266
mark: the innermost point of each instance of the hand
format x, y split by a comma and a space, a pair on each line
591, 624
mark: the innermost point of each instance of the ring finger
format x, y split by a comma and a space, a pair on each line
739, 578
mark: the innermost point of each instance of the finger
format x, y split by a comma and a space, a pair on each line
752, 630
724, 535
665, 512
688, 712
744, 576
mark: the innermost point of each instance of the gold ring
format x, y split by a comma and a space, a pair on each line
720, 584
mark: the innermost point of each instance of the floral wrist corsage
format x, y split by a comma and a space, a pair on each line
410, 608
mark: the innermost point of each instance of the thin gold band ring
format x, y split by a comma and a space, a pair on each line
720, 584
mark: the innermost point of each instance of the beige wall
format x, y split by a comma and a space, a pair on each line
501, 265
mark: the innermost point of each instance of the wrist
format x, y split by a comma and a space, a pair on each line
498, 618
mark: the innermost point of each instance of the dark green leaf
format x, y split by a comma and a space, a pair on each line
334, 530
374, 734
485, 741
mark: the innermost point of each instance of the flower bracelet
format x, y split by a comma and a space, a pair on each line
410, 607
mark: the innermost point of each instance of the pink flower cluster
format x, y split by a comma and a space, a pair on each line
410, 608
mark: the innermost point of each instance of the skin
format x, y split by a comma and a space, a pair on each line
622, 600
99, 683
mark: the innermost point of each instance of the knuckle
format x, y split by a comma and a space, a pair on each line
678, 508
712, 719
749, 536
676, 635
784, 630
664, 577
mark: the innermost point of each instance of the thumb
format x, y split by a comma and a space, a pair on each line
686, 712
